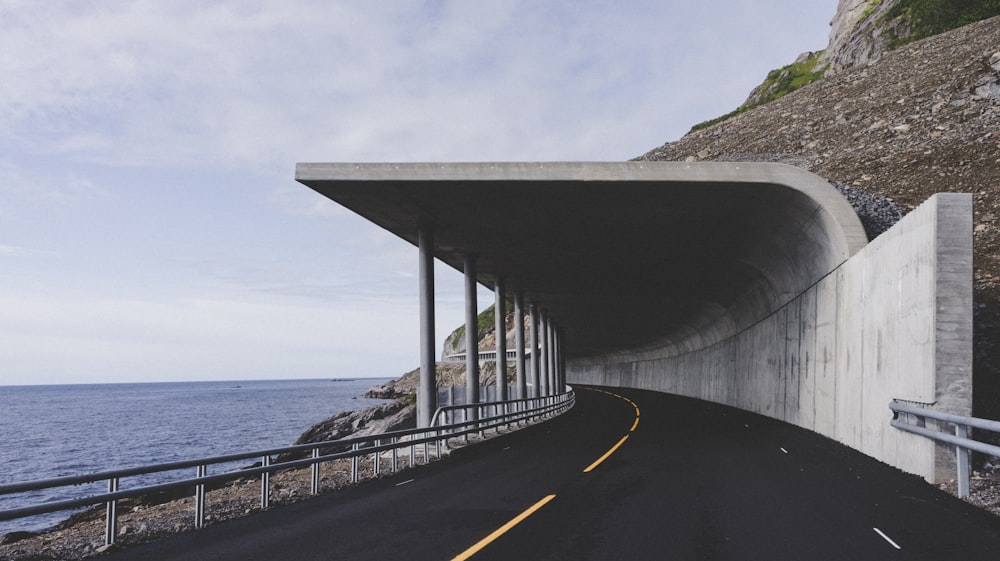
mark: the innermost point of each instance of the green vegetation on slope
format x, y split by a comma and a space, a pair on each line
486, 321
778, 83
927, 18
931, 17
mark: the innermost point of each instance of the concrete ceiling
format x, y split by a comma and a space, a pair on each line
624, 256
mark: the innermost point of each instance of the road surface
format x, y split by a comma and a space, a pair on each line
626, 474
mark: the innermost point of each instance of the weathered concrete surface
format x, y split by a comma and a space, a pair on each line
729, 282
893, 322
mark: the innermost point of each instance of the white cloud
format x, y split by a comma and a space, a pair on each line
242, 83
12, 250
150, 146
248, 335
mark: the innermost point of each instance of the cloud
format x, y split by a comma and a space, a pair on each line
52, 337
152, 144
297, 200
267, 83
12, 251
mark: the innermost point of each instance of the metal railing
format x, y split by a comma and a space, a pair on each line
505, 414
904, 413
484, 355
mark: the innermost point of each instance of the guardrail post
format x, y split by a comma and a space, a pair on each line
199, 499
314, 470
962, 453
377, 460
354, 462
265, 484
395, 455
480, 413
111, 519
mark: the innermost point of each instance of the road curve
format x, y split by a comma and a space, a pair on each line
667, 478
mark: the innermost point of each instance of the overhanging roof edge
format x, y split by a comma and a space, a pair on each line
809, 184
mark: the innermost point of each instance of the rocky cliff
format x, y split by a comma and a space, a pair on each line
861, 32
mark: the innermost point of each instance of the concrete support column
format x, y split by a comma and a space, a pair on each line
471, 335
522, 381
543, 389
552, 356
500, 311
556, 344
562, 362
535, 358
427, 389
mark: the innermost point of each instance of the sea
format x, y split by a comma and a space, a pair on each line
61, 430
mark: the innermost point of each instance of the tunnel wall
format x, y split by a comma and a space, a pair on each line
892, 322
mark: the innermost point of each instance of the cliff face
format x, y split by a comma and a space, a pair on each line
861, 32
922, 119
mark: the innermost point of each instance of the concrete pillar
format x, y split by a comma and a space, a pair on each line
552, 356
427, 389
535, 358
543, 332
500, 311
560, 363
471, 334
522, 382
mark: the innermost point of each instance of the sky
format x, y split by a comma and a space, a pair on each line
150, 225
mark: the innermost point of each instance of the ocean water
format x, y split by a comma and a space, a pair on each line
53, 431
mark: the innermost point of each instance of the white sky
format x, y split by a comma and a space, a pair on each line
150, 226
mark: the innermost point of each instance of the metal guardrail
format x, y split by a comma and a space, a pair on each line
515, 412
903, 413
484, 355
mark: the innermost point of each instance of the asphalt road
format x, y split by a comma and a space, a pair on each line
692, 481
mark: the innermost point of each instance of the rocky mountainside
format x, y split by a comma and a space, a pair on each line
922, 119
861, 32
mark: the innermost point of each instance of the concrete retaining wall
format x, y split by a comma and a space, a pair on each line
893, 322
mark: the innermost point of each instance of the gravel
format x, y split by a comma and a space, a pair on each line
876, 212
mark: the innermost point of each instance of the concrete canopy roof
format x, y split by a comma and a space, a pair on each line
624, 256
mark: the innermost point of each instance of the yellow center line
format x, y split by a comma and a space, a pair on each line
624, 438
502, 530
606, 454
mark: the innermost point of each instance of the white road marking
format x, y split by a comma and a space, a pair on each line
785, 451
405, 482
886, 538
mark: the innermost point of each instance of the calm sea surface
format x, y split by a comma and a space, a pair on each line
52, 431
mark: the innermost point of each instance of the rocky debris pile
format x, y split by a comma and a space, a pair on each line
877, 213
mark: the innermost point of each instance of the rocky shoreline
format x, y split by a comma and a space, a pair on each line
81, 536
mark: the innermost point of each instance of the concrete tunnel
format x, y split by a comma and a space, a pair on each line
747, 284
